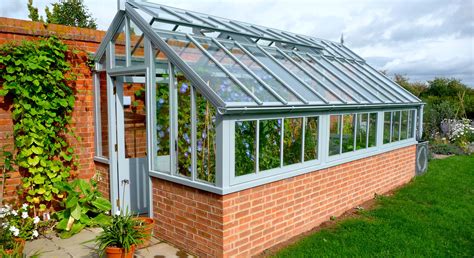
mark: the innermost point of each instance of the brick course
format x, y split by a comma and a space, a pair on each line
246, 223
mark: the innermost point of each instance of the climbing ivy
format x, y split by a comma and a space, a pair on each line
36, 74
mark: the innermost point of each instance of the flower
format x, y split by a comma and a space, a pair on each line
184, 88
14, 230
36, 219
24, 206
24, 214
14, 212
34, 234
117, 213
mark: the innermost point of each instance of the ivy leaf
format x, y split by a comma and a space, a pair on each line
41, 191
33, 161
38, 179
37, 150
3, 92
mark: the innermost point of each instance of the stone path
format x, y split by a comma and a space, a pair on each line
54, 247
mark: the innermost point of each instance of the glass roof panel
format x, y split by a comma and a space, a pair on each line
261, 72
323, 79
354, 69
350, 74
284, 74
245, 65
356, 81
330, 77
217, 80
329, 96
237, 70
342, 77
392, 84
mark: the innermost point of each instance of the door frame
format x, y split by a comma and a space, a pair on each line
148, 71
115, 142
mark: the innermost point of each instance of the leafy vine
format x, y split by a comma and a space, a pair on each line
36, 75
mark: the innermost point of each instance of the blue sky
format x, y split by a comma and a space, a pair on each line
419, 38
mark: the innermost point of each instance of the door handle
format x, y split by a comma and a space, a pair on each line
125, 182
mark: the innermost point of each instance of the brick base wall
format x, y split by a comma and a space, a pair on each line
102, 174
248, 222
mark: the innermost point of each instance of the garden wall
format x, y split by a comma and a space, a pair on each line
248, 222
83, 115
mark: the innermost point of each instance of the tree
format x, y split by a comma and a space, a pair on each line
65, 12
416, 88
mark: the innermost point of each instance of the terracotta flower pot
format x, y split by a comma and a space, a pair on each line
116, 252
21, 245
148, 224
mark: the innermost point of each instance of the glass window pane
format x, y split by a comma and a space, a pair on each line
245, 147
372, 129
135, 120
205, 139
184, 125
292, 140
261, 73
103, 150
162, 118
361, 131
283, 74
119, 47
348, 133
387, 120
311, 134
396, 126
404, 130
217, 80
269, 144
411, 123
236, 69
304, 76
137, 45
335, 135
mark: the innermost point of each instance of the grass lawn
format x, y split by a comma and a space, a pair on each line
431, 216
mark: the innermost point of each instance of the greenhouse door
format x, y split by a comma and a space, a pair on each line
131, 145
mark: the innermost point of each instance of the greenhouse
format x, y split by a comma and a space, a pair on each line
193, 109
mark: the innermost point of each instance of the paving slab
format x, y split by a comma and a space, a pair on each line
79, 245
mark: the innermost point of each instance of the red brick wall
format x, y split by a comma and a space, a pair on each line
248, 222
86, 40
102, 177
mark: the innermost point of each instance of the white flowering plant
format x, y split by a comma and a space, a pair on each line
460, 132
18, 223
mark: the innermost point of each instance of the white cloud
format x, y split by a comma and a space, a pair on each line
420, 38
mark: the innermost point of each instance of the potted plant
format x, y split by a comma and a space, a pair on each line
146, 224
120, 237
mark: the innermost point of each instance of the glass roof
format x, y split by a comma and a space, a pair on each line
247, 65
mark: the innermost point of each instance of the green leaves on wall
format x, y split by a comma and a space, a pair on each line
36, 77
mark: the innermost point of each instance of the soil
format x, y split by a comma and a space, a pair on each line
352, 213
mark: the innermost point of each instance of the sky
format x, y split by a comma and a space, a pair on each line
421, 39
